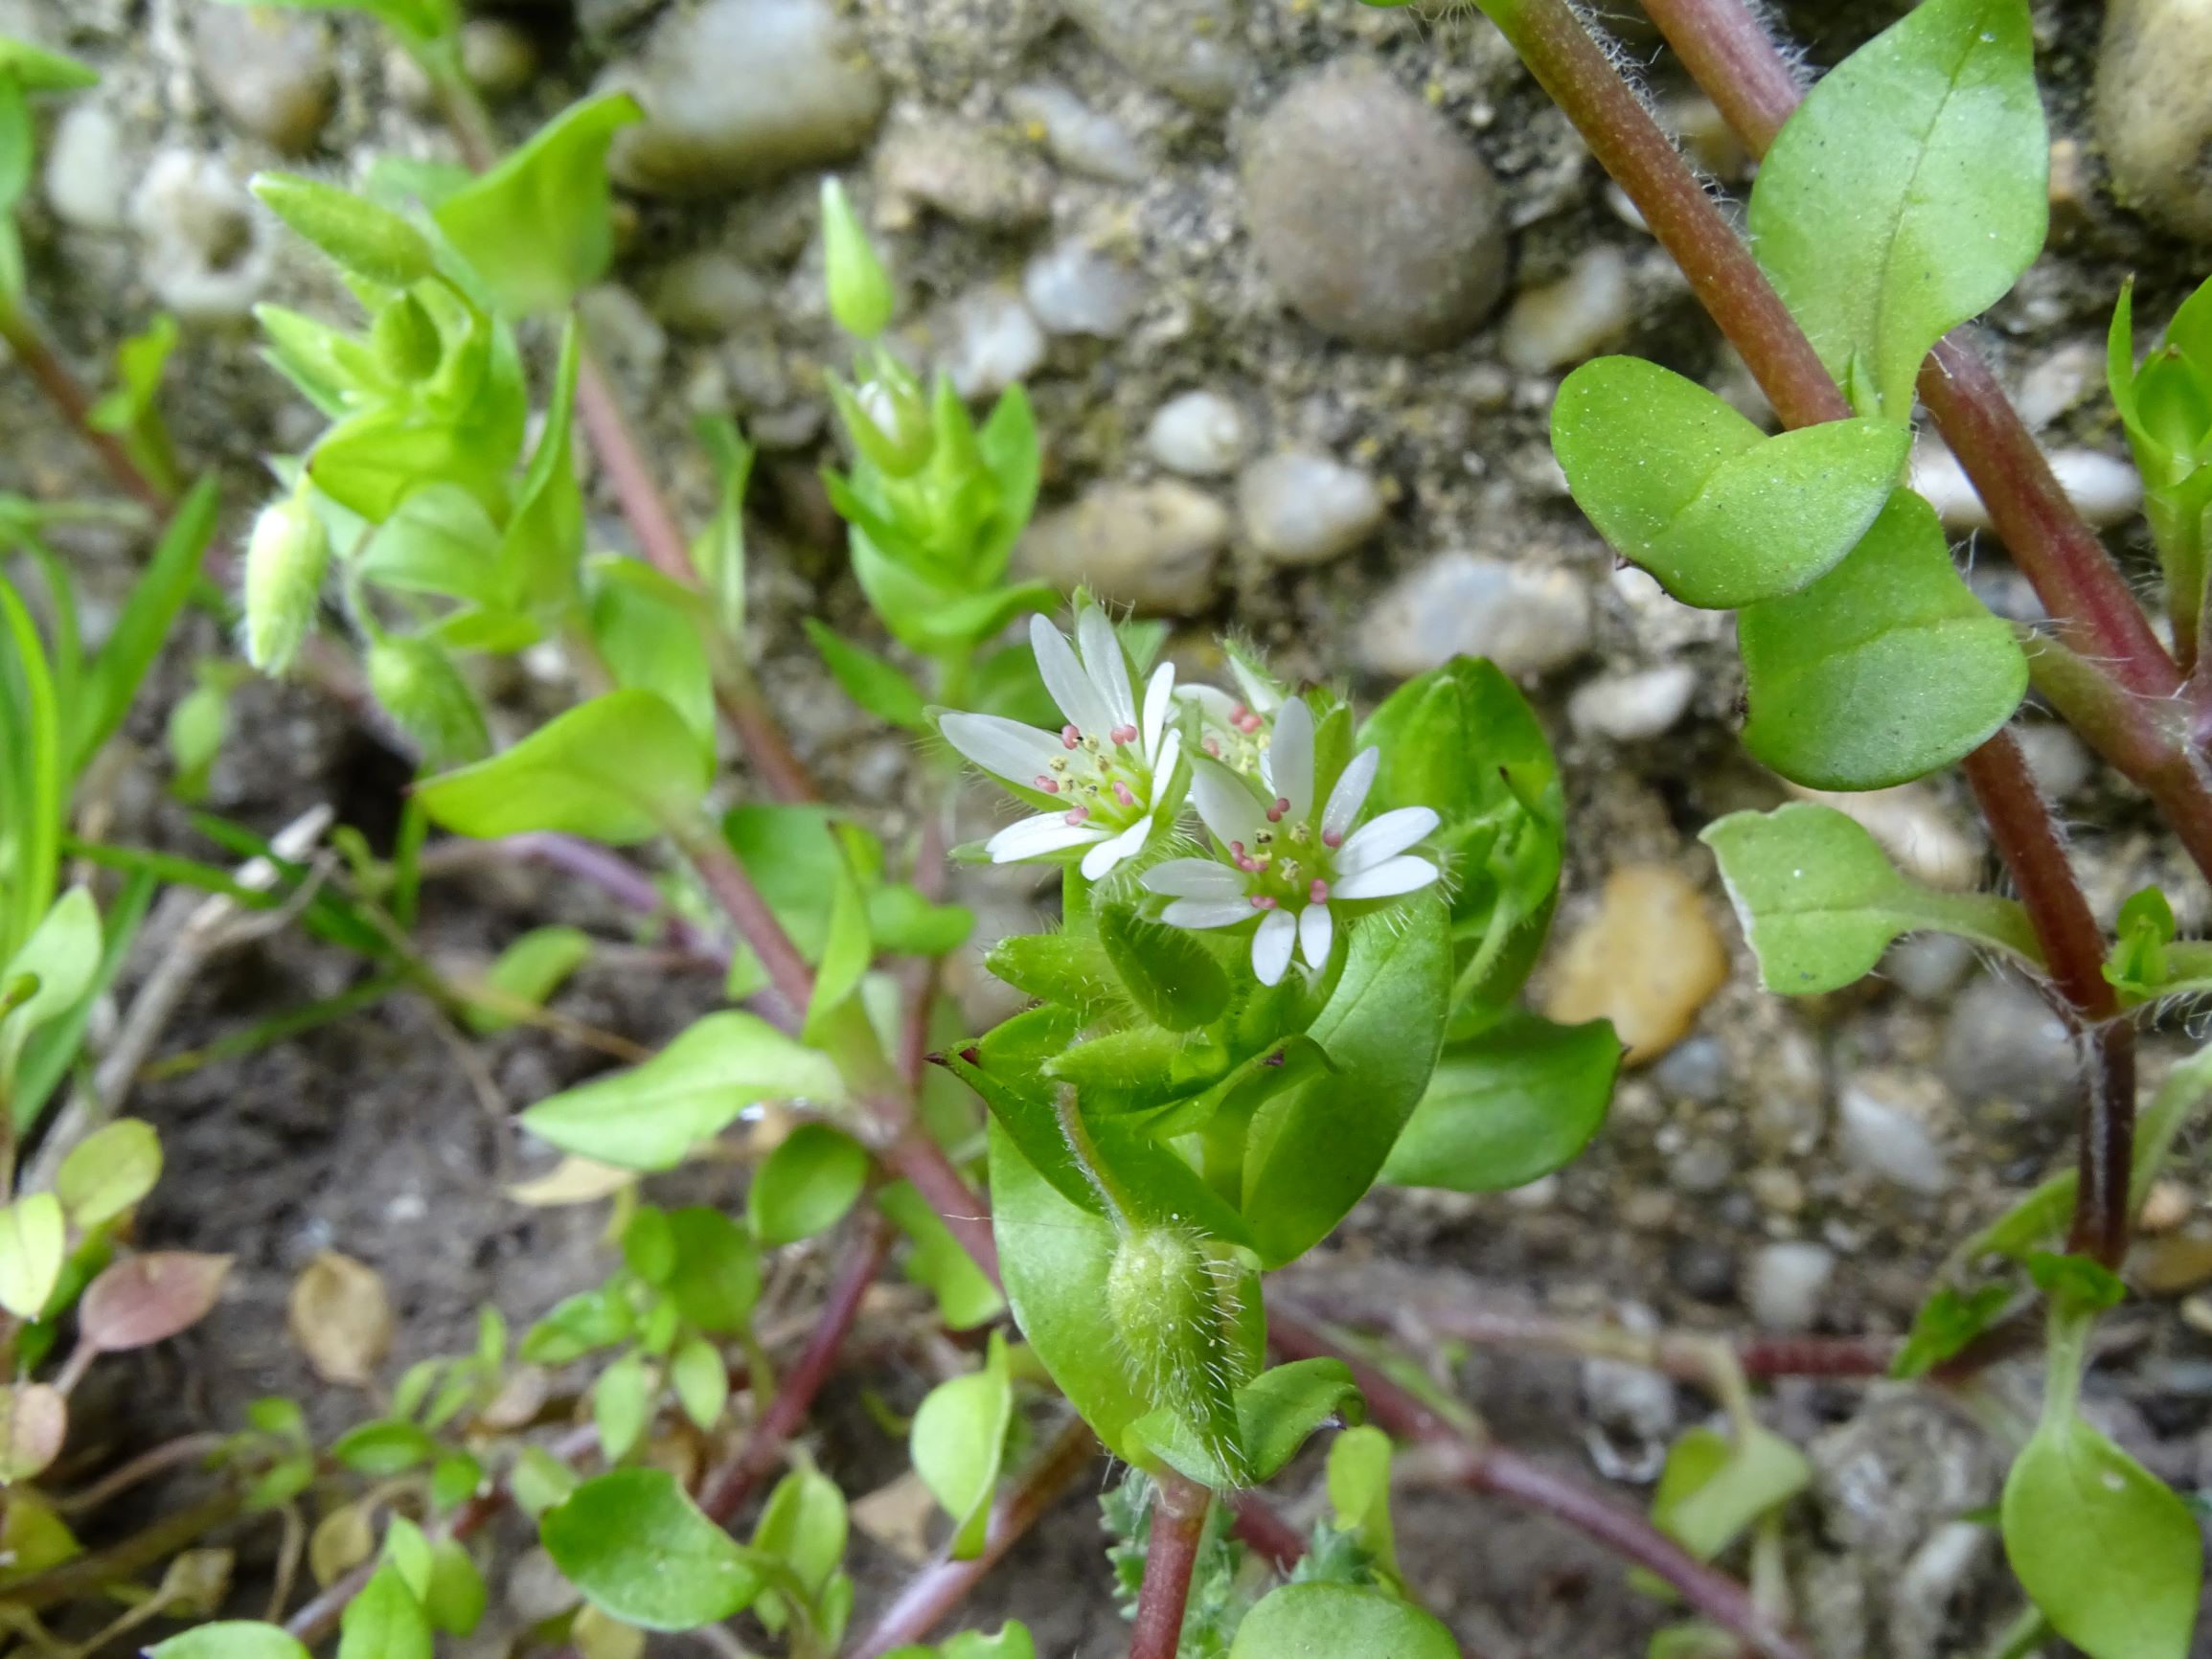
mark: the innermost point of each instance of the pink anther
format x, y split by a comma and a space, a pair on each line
1070, 737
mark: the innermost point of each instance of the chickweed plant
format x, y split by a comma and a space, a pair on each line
1292, 932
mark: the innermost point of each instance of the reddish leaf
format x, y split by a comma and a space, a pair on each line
150, 1298
34, 1420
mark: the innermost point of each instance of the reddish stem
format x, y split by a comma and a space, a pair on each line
924, 1165
931, 1595
726, 1488
1263, 1531
1178, 1524
1483, 1467
70, 398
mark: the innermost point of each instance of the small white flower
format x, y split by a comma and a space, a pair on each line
1231, 727
1285, 861
1112, 763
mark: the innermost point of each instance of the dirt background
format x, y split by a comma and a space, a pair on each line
1791, 1166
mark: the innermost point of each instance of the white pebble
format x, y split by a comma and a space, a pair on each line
2105, 491
1526, 621
1074, 289
207, 255
1304, 509
1785, 1283
1078, 135
1584, 311
1887, 1141
1629, 707
87, 176
1200, 434
994, 342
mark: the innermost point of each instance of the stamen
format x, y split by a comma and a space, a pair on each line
1318, 893
1075, 820
1332, 839
1069, 736
1275, 812
1263, 901
1213, 748
1123, 795
1123, 735
1048, 784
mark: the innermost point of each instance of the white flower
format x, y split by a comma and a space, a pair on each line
1286, 862
1230, 727
1112, 763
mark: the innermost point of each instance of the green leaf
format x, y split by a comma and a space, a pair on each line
384, 1621
33, 1240
1313, 1152
35, 69
903, 923
1712, 1487
543, 542
718, 1275
958, 1441
439, 540
718, 549
529, 971
1883, 670
143, 626
230, 1639
366, 240
701, 1381
1171, 977
1358, 1483
1720, 512
1946, 1322
620, 1406
1820, 902
648, 1116
43, 981
1339, 1622
537, 228
965, 1297
803, 1526
2110, 1553
1509, 1106
807, 1184
1907, 192
384, 1448
846, 947
621, 768
879, 687
648, 637
1276, 1413
108, 1171
641, 1552
456, 1597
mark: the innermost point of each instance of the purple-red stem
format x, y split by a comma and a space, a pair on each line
1178, 1524
68, 396
1483, 1467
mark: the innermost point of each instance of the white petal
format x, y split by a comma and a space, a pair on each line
1316, 933
1291, 757
1214, 703
1103, 857
1261, 695
1387, 837
1271, 947
1386, 879
1105, 663
1159, 699
1196, 912
1035, 837
1350, 793
1017, 753
1194, 878
1063, 676
1164, 770
1225, 805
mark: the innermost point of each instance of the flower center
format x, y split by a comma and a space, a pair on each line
1286, 865
1103, 779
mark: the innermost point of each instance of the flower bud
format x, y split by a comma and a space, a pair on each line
888, 422
406, 341
1175, 1307
368, 240
421, 689
860, 296
287, 555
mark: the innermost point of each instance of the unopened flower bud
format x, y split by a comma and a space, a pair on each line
287, 555
1174, 1306
406, 341
888, 422
421, 689
369, 240
860, 296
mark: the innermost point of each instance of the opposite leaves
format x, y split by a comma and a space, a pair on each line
1907, 192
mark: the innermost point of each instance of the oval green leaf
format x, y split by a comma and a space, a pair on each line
230, 1639
642, 1551
807, 1184
1339, 1622
1720, 513
958, 1441
1509, 1106
1883, 670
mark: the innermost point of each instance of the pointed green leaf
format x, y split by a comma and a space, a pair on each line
230, 1639
807, 1185
385, 1621
958, 1441
1714, 1487
879, 687
938, 1260
34, 1237
1171, 976
529, 971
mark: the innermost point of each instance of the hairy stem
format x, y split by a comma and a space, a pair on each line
932, 1594
1482, 1467
1178, 1523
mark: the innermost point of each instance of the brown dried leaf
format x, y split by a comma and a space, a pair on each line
572, 1180
148, 1298
341, 1542
897, 1517
196, 1583
34, 1422
341, 1318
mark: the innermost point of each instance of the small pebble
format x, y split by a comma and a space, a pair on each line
269, 70
1647, 958
2166, 1206
1154, 546
498, 56
1776, 1189
1074, 289
207, 258
1701, 1168
2152, 109
89, 171
1629, 708
1696, 1070
1528, 622
1079, 137
709, 293
1199, 434
1928, 967
1913, 827
2104, 490
1783, 1285
1372, 213
2171, 1263
1304, 509
1189, 49
962, 171
737, 92
1885, 1139
2060, 761
2003, 1042
993, 342
1574, 318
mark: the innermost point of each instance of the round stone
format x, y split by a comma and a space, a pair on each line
2153, 110
269, 70
1374, 219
